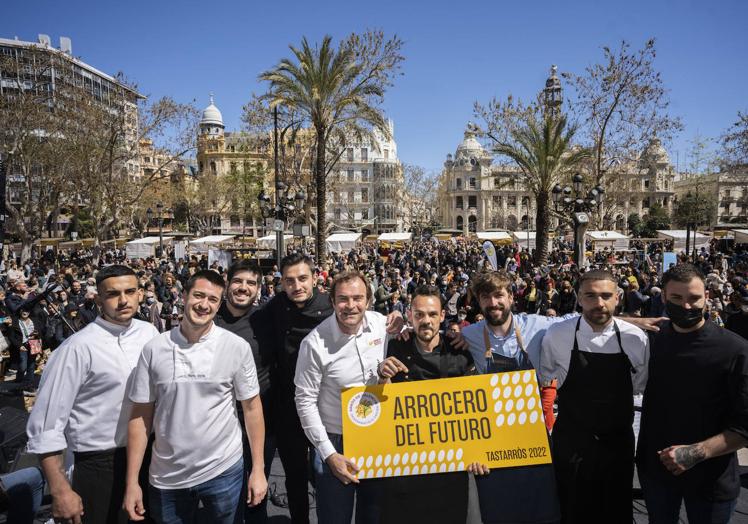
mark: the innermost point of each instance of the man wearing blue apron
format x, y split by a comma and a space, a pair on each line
600, 363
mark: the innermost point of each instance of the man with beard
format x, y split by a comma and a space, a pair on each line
243, 284
343, 351
599, 363
82, 404
695, 410
426, 356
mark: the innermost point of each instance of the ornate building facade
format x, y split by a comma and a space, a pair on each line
731, 189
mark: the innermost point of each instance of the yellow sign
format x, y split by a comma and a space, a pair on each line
437, 426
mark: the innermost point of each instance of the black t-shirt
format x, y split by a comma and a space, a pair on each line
241, 326
738, 323
697, 388
426, 366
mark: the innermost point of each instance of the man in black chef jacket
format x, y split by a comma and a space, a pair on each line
695, 410
599, 362
439, 497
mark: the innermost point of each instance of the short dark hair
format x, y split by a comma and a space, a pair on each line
596, 274
428, 291
296, 258
347, 276
205, 274
682, 273
488, 282
116, 270
240, 265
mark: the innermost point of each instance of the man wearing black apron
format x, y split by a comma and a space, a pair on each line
600, 364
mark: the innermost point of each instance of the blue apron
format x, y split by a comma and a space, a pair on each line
520, 495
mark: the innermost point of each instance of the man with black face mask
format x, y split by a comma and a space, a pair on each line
695, 410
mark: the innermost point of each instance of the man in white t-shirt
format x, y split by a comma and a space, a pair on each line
185, 387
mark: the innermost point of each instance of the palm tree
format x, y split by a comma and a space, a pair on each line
333, 89
542, 151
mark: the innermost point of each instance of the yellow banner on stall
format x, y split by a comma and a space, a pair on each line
437, 426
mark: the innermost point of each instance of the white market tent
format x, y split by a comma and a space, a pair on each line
521, 238
338, 242
143, 247
741, 236
495, 236
395, 237
203, 244
608, 240
268, 242
678, 236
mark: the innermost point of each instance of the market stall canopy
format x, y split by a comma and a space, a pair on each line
395, 237
498, 236
143, 247
522, 238
203, 244
678, 236
338, 242
741, 236
608, 239
268, 242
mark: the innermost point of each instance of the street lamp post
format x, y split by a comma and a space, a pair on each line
577, 209
284, 209
149, 216
160, 209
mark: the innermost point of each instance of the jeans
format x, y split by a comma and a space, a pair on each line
335, 499
24, 488
219, 495
26, 367
663, 502
255, 514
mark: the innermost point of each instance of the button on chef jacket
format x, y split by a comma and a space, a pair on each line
82, 401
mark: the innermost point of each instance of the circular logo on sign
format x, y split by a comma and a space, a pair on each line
364, 409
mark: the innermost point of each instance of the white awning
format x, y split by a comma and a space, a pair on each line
606, 235
212, 239
144, 247
493, 235
395, 237
741, 236
268, 242
678, 236
523, 235
608, 239
338, 242
145, 240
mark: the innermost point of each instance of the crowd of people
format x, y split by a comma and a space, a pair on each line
226, 366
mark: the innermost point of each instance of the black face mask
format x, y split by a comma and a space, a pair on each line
682, 317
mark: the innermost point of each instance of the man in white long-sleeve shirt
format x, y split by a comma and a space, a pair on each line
82, 404
600, 363
343, 351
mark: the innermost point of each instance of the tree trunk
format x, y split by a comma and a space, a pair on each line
319, 178
542, 224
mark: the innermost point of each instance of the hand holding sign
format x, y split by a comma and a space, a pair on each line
391, 367
344, 469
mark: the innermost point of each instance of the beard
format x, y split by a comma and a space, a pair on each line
426, 335
598, 317
502, 318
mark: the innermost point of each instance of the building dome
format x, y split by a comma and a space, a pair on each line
655, 152
469, 143
211, 115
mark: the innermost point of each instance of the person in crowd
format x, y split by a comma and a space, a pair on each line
343, 351
738, 322
566, 300
82, 405
21, 494
599, 364
383, 296
184, 388
695, 409
25, 335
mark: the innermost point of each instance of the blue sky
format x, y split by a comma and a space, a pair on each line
456, 52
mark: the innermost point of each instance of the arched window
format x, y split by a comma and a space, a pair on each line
460, 224
472, 223
511, 223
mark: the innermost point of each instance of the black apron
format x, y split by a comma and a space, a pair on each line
436, 497
593, 441
519, 495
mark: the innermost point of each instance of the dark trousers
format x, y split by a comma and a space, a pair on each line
663, 500
255, 514
99, 480
293, 449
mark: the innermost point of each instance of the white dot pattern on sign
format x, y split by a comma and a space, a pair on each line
494, 380
422, 458
509, 405
533, 417
432, 455
451, 466
504, 379
360, 462
415, 470
380, 472
378, 462
459, 454
511, 418
369, 460
527, 376
362, 474
461, 466
387, 460
441, 455
520, 404
500, 420
515, 378
507, 391
388, 473
414, 457
396, 459
522, 418
442, 468
397, 472
450, 455
518, 391
433, 468
496, 393
406, 470
531, 403
528, 390
497, 406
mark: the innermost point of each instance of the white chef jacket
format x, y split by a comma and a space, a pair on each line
82, 400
